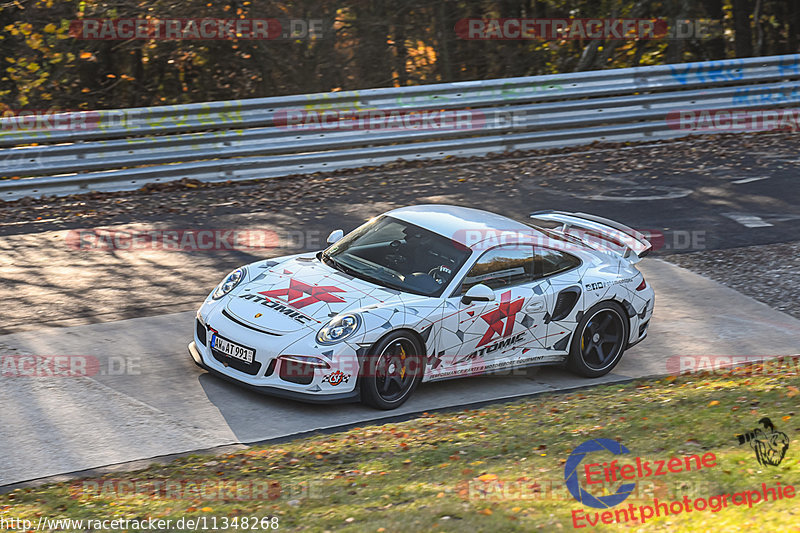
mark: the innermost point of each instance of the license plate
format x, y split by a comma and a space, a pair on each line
231, 349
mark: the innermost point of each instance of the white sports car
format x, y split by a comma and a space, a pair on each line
427, 293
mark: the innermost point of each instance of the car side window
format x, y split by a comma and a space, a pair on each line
501, 267
548, 262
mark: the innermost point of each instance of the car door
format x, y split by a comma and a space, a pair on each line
557, 276
511, 329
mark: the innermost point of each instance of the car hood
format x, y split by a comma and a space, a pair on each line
283, 296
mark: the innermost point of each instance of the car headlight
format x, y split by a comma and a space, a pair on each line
339, 328
229, 283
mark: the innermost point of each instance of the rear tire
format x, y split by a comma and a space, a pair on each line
599, 340
392, 370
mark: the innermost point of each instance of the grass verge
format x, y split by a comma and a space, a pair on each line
500, 468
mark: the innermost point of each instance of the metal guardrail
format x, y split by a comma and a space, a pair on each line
246, 139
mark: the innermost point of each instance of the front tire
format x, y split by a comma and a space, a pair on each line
392, 370
599, 340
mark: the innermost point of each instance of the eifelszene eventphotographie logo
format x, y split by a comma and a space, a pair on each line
637, 468
578, 470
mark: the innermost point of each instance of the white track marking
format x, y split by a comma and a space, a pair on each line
748, 221
748, 180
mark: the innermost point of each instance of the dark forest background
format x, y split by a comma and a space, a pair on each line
378, 43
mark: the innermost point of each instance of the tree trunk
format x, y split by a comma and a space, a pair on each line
759, 29
715, 46
675, 47
794, 26
400, 51
445, 31
743, 34
373, 53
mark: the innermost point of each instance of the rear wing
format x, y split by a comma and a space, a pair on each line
598, 233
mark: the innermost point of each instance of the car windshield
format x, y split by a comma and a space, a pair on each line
395, 254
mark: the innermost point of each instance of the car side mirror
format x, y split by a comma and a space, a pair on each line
335, 236
478, 293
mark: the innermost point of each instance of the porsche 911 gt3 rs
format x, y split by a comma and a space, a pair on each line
427, 293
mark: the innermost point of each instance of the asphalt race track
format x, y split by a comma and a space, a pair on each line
701, 195
133, 310
148, 398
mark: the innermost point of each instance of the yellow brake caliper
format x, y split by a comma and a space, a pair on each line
403, 361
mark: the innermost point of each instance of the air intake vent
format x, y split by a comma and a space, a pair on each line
295, 372
201, 332
566, 302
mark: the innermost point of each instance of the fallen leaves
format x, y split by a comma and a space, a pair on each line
500, 439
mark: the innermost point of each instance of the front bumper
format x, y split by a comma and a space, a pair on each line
351, 396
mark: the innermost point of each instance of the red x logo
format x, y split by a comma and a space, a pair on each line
507, 310
297, 291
